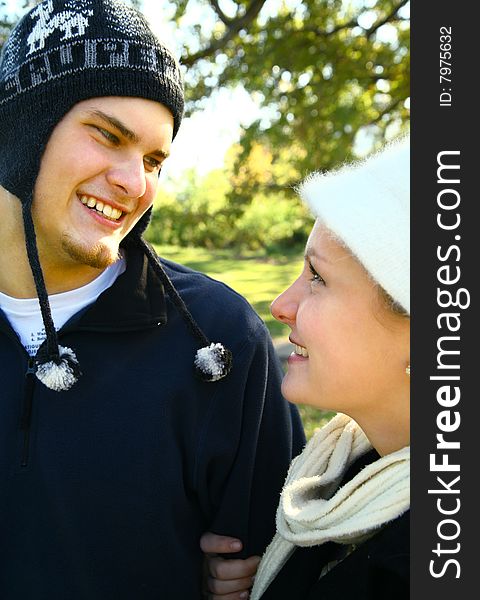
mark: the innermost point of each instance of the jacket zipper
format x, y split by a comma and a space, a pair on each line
26, 418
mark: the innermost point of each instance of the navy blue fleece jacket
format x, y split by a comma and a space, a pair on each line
105, 489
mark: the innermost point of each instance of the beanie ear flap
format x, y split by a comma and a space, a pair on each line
142, 224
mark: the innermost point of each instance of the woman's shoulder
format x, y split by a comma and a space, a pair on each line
379, 568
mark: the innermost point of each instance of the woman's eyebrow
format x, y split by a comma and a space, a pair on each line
310, 251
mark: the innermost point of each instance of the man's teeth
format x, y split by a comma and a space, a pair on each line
301, 351
106, 209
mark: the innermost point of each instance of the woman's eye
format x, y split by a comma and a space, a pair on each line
315, 277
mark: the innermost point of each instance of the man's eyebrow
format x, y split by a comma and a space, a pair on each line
124, 130
114, 122
162, 153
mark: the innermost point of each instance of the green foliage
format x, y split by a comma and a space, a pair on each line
273, 223
324, 71
258, 278
313, 418
195, 215
202, 213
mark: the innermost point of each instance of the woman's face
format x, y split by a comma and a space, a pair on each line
351, 350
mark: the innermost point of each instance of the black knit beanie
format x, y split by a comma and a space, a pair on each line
60, 53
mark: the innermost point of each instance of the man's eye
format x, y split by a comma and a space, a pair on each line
113, 139
152, 163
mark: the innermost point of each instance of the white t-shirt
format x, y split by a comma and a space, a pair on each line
24, 313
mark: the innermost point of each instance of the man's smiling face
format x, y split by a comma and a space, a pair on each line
98, 176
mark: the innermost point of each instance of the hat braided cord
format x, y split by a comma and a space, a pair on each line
56, 367
213, 361
34, 260
172, 292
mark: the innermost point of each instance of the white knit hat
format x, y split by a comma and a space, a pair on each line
367, 205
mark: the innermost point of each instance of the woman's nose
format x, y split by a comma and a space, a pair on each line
284, 308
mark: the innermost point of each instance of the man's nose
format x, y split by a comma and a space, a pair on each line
129, 176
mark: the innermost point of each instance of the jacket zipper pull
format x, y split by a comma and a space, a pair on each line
31, 367
26, 418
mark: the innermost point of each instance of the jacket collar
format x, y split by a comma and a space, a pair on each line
135, 301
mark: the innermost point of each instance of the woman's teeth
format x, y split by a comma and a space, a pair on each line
301, 351
107, 210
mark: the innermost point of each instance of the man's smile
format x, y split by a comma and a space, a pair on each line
102, 207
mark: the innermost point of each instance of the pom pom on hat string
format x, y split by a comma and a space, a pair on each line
214, 360
59, 373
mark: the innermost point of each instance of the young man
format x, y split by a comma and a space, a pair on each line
140, 400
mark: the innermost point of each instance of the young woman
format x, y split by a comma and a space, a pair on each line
343, 516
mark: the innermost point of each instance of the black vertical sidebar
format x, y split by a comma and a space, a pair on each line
445, 353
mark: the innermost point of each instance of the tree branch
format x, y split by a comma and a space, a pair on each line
234, 26
386, 19
354, 23
386, 110
221, 15
323, 33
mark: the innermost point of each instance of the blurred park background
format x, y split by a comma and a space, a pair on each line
275, 89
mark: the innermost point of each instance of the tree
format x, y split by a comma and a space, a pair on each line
203, 213
324, 71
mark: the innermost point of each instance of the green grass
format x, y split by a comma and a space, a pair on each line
256, 277
259, 279
313, 418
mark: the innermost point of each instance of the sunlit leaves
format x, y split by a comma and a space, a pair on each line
325, 70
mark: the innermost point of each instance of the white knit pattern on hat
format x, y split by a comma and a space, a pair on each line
367, 205
313, 511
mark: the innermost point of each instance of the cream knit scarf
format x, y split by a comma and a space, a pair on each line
313, 511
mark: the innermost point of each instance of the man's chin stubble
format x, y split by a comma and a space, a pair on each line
98, 256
